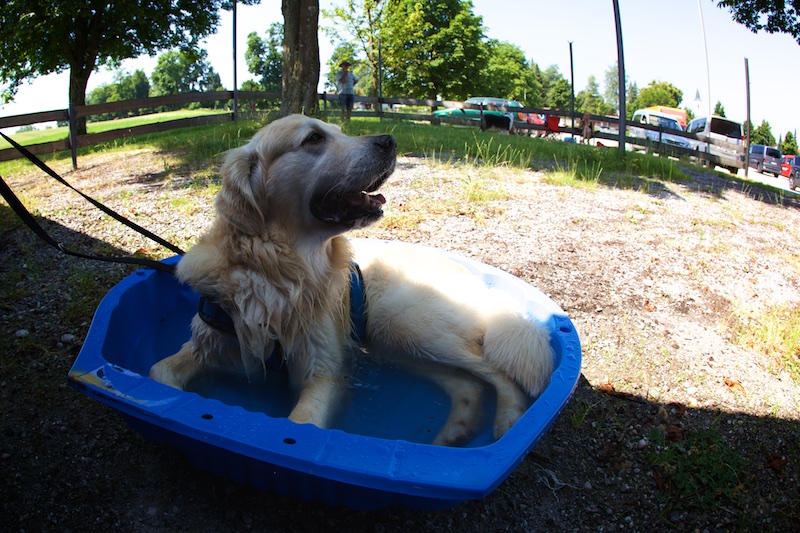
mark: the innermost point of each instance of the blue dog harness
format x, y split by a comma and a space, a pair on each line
215, 316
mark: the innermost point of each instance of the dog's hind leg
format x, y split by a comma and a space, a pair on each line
466, 401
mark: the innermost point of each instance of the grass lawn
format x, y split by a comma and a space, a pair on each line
62, 132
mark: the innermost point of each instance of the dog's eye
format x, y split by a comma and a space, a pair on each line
314, 137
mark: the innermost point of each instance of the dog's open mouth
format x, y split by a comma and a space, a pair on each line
349, 207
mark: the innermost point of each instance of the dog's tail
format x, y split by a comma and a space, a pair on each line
520, 347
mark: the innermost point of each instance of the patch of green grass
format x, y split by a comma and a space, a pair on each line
774, 332
87, 291
588, 163
62, 132
697, 472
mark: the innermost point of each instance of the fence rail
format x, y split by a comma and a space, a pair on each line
391, 108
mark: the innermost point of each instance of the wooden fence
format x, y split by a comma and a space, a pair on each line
604, 127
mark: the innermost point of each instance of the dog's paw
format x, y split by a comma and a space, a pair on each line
454, 434
506, 418
163, 374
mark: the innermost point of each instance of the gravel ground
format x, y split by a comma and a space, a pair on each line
673, 426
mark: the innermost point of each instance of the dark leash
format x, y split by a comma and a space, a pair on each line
29, 220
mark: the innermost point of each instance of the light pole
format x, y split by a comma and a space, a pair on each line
621, 72
705, 47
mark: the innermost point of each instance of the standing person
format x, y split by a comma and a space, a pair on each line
344, 83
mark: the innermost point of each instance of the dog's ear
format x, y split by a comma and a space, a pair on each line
240, 201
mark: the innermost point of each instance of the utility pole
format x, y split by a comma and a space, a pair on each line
621, 70
235, 84
572, 96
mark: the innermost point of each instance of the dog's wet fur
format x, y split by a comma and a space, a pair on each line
276, 261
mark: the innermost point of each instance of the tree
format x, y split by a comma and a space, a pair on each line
185, 71
361, 19
719, 110
300, 72
631, 94
762, 135
81, 36
591, 101
658, 93
557, 90
125, 87
611, 93
538, 97
772, 16
264, 58
507, 75
433, 48
789, 144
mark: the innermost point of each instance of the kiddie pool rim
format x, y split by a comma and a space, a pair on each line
301, 460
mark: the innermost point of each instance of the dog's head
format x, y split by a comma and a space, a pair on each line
301, 175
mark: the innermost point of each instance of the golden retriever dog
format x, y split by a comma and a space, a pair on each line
276, 262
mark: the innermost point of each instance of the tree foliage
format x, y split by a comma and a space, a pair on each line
556, 89
61, 35
789, 144
591, 101
264, 58
186, 71
658, 93
762, 134
719, 109
362, 20
433, 48
611, 93
772, 16
124, 87
507, 74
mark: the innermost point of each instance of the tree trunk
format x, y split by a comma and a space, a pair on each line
78, 80
300, 57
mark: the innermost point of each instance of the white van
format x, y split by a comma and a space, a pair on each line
719, 129
658, 119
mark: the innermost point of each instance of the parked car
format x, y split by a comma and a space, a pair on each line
794, 177
789, 161
661, 120
718, 129
490, 107
765, 159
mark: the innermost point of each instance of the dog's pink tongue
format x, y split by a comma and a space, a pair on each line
373, 201
377, 199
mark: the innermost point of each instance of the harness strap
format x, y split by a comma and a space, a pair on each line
30, 221
358, 304
215, 316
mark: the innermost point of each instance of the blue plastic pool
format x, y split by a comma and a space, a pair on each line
378, 455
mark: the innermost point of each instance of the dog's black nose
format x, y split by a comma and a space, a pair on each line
385, 142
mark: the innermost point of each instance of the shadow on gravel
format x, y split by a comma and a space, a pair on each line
611, 461
717, 185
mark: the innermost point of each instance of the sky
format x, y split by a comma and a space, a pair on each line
662, 41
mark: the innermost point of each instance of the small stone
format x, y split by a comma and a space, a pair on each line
642, 443
67, 338
21, 333
587, 485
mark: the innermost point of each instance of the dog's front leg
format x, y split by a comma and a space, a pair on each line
178, 369
317, 402
316, 368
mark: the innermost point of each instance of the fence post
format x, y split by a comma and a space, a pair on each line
73, 136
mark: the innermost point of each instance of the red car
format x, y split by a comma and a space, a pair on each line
788, 162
